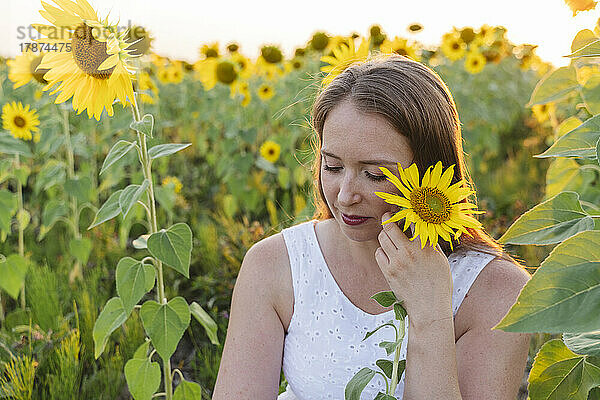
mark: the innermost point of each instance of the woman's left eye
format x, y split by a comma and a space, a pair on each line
375, 177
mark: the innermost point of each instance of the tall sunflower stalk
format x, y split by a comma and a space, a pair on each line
95, 74
20, 222
76, 271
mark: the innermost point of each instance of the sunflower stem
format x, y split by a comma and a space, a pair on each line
20, 227
394, 382
147, 171
76, 272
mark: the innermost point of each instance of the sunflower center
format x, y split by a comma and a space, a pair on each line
226, 72
39, 74
19, 121
211, 53
89, 53
401, 51
431, 205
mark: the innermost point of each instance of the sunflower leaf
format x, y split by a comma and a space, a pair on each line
550, 222
118, 151
10, 145
555, 86
162, 150
145, 125
567, 280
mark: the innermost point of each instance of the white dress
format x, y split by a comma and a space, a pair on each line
323, 347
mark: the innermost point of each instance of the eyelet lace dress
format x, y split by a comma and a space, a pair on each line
323, 347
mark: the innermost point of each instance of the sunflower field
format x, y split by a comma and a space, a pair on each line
132, 185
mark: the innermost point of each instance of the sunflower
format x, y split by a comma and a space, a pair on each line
210, 50
175, 72
343, 56
91, 63
23, 69
20, 121
244, 90
140, 40
399, 46
269, 63
294, 64
270, 151
433, 205
541, 112
580, 5
453, 47
213, 70
244, 65
265, 91
147, 85
474, 62
172, 180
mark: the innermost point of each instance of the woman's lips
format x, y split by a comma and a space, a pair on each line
353, 219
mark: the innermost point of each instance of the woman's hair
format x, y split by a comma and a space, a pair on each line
414, 99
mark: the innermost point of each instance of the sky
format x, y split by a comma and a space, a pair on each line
181, 27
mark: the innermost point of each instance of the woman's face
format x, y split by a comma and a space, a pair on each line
355, 144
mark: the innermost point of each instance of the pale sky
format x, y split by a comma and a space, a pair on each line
181, 27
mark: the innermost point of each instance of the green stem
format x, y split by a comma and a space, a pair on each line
20, 212
76, 272
397, 358
147, 170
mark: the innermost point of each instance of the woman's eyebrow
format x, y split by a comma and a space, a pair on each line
370, 162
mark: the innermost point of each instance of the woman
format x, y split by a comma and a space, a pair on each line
302, 297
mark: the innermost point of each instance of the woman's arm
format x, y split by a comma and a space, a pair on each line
484, 363
251, 362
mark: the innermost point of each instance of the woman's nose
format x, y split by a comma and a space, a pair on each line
349, 192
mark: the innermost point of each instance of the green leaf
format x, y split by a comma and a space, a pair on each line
357, 384
13, 271
173, 247
142, 350
563, 294
565, 174
145, 125
583, 343
385, 299
389, 347
111, 317
143, 378
551, 221
53, 211
557, 373
165, 197
165, 324
554, 86
80, 249
383, 396
188, 391
389, 323
134, 279
10, 145
583, 38
8, 207
118, 151
162, 150
210, 326
6, 168
80, 188
591, 49
591, 94
400, 311
109, 209
52, 173
22, 174
580, 142
283, 177
141, 242
130, 195
386, 366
